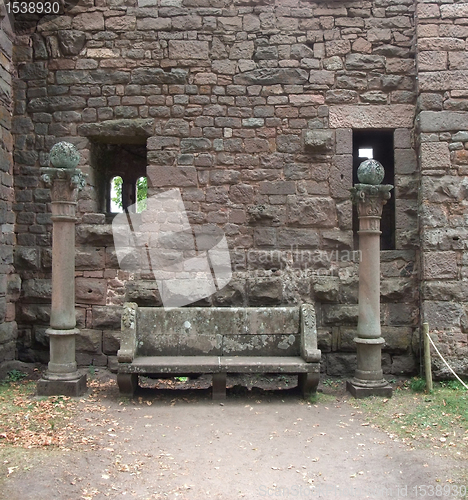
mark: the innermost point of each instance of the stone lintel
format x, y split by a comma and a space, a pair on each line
371, 116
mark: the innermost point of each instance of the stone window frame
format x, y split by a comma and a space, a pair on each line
399, 117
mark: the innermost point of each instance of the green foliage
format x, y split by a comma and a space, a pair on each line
117, 188
14, 376
141, 192
417, 384
455, 385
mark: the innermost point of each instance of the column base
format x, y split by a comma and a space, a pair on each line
360, 390
71, 388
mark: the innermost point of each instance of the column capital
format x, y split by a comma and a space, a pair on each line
64, 179
370, 199
64, 183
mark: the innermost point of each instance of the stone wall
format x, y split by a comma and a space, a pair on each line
442, 126
249, 108
9, 281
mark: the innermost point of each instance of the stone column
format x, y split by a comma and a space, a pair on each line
65, 180
370, 196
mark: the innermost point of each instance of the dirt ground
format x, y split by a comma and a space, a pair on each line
258, 443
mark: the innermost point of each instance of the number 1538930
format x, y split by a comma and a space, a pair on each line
32, 7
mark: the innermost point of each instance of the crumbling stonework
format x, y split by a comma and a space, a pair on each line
249, 108
10, 283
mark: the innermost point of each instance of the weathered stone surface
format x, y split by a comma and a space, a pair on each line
340, 314
442, 315
272, 76
106, 317
33, 71
321, 140
89, 341
188, 49
317, 212
154, 76
442, 121
265, 291
110, 341
71, 41
371, 116
56, 103
111, 131
38, 289
90, 290
440, 265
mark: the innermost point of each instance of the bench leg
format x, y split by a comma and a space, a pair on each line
219, 386
308, 383
127, 382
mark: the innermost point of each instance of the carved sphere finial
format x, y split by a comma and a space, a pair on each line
64, 155
370, 172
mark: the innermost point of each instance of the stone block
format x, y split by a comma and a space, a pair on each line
265, 236
33, 71
396, 289
92, 234
89, 341
8, 332
341, 365
371, 116
405, 161
326, 289
71, 41
27, 258
40, 289
289, 143
298, 238
110, 341
182, 176
189, 49
397, 338
89, 21
155, 76
144, 293
106, 317
443, 81
264, 291
444, 189
89, 258
341, 176
440, 265
435, 155
339, 314
404, 365
344, 141
90, 290
311, 211
443, 121
272, 76
319, 140
364, 62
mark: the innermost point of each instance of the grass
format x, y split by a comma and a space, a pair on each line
437, 421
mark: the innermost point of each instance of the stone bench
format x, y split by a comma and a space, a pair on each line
218, 340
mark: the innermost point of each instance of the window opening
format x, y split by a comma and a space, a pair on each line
119, 172
376, 144
141, 193
116, 194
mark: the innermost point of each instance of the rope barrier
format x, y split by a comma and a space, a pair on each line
442, 358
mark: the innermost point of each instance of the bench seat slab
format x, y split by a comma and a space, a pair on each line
217, 364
